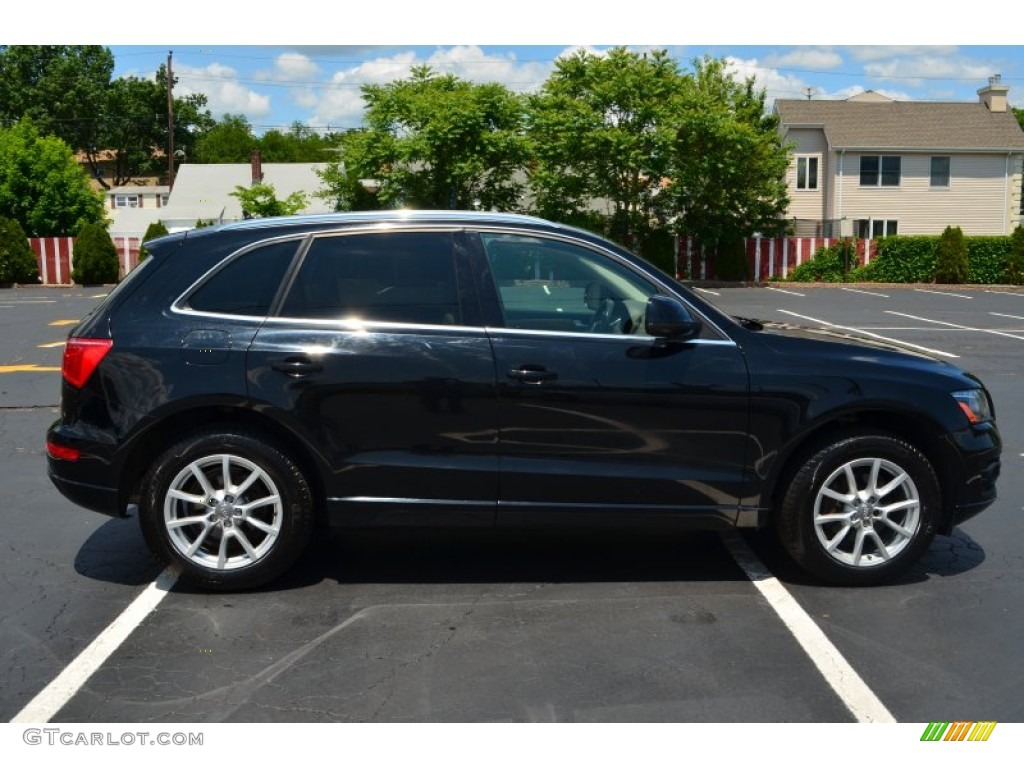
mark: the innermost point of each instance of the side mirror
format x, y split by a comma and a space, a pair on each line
667, 318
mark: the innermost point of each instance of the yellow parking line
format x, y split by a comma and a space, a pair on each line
63, 322
52, 344
26, 368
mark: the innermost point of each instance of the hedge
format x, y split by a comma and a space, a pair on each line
912, 258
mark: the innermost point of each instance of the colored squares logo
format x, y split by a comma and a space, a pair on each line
958, 731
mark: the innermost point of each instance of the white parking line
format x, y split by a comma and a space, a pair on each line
956, 325
862, 332
943, 293
705, 290
1007, 293
1012, 317
866, 293
782, 290
53, 697
843, 678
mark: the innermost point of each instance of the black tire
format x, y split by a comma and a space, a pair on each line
844, 528
243, 533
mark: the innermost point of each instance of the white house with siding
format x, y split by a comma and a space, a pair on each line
871, 166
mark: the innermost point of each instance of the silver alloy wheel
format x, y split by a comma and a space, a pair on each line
866, 512
223, 512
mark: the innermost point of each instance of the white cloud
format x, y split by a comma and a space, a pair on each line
340, 102
776, 84
918, 70
806, 58
223, 91
878, 52
295, 65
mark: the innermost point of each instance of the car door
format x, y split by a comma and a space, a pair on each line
599, 420
378, 359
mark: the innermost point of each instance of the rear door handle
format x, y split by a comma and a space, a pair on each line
532, 374
297, 366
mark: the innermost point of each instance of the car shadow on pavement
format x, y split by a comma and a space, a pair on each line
486, 557
116, 553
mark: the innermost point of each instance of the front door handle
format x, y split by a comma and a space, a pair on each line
532, 374
297, 366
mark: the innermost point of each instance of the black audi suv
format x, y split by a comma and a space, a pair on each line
250, 381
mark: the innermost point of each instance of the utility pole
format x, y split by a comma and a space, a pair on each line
170, 122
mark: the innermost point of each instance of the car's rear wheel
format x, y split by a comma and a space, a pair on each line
860, 510
226, 510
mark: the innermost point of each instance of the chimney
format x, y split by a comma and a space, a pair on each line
994, 95
257, 167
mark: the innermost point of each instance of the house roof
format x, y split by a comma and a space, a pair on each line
905, 125
203, 191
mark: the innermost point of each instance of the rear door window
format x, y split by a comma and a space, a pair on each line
391, 277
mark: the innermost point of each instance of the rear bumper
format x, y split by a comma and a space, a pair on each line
95, 497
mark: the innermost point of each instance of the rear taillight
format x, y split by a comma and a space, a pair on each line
81, 356
62, 451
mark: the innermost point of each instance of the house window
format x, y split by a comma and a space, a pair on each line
126, 201
162, 201
940, 172
880, 170
807, 173
869, 229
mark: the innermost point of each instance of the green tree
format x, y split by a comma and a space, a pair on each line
153, 231
231, 140
1018, 112
1015, 262
41, 185
299, 144
729, 163
436, 141
61, 88
67, 91
17, 259
94, 256
260, 201
951, 261
602, 128
344, 188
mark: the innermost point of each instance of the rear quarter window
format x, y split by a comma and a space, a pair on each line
247, 284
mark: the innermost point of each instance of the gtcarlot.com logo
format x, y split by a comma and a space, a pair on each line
959, 731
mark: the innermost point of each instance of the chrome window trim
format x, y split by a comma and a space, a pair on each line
632, 338
180, 304
355, 325
515, 226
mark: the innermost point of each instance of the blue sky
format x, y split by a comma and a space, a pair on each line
320, 85
234, 54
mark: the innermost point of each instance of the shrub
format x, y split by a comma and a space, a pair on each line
95, 257
659, 249
730, 263
829, 264
1015, 259
17, 260
153, 231
904, 259
951, 261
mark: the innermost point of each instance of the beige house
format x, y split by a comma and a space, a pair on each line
870, 166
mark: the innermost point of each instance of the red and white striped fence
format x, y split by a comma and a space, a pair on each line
55, 257
767, 257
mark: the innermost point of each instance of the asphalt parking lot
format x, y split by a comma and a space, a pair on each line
471, 627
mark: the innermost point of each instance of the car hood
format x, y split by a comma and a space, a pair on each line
840, 335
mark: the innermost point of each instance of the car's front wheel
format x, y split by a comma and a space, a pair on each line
226, 510
860, 509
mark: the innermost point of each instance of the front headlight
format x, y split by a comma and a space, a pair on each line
975, 405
